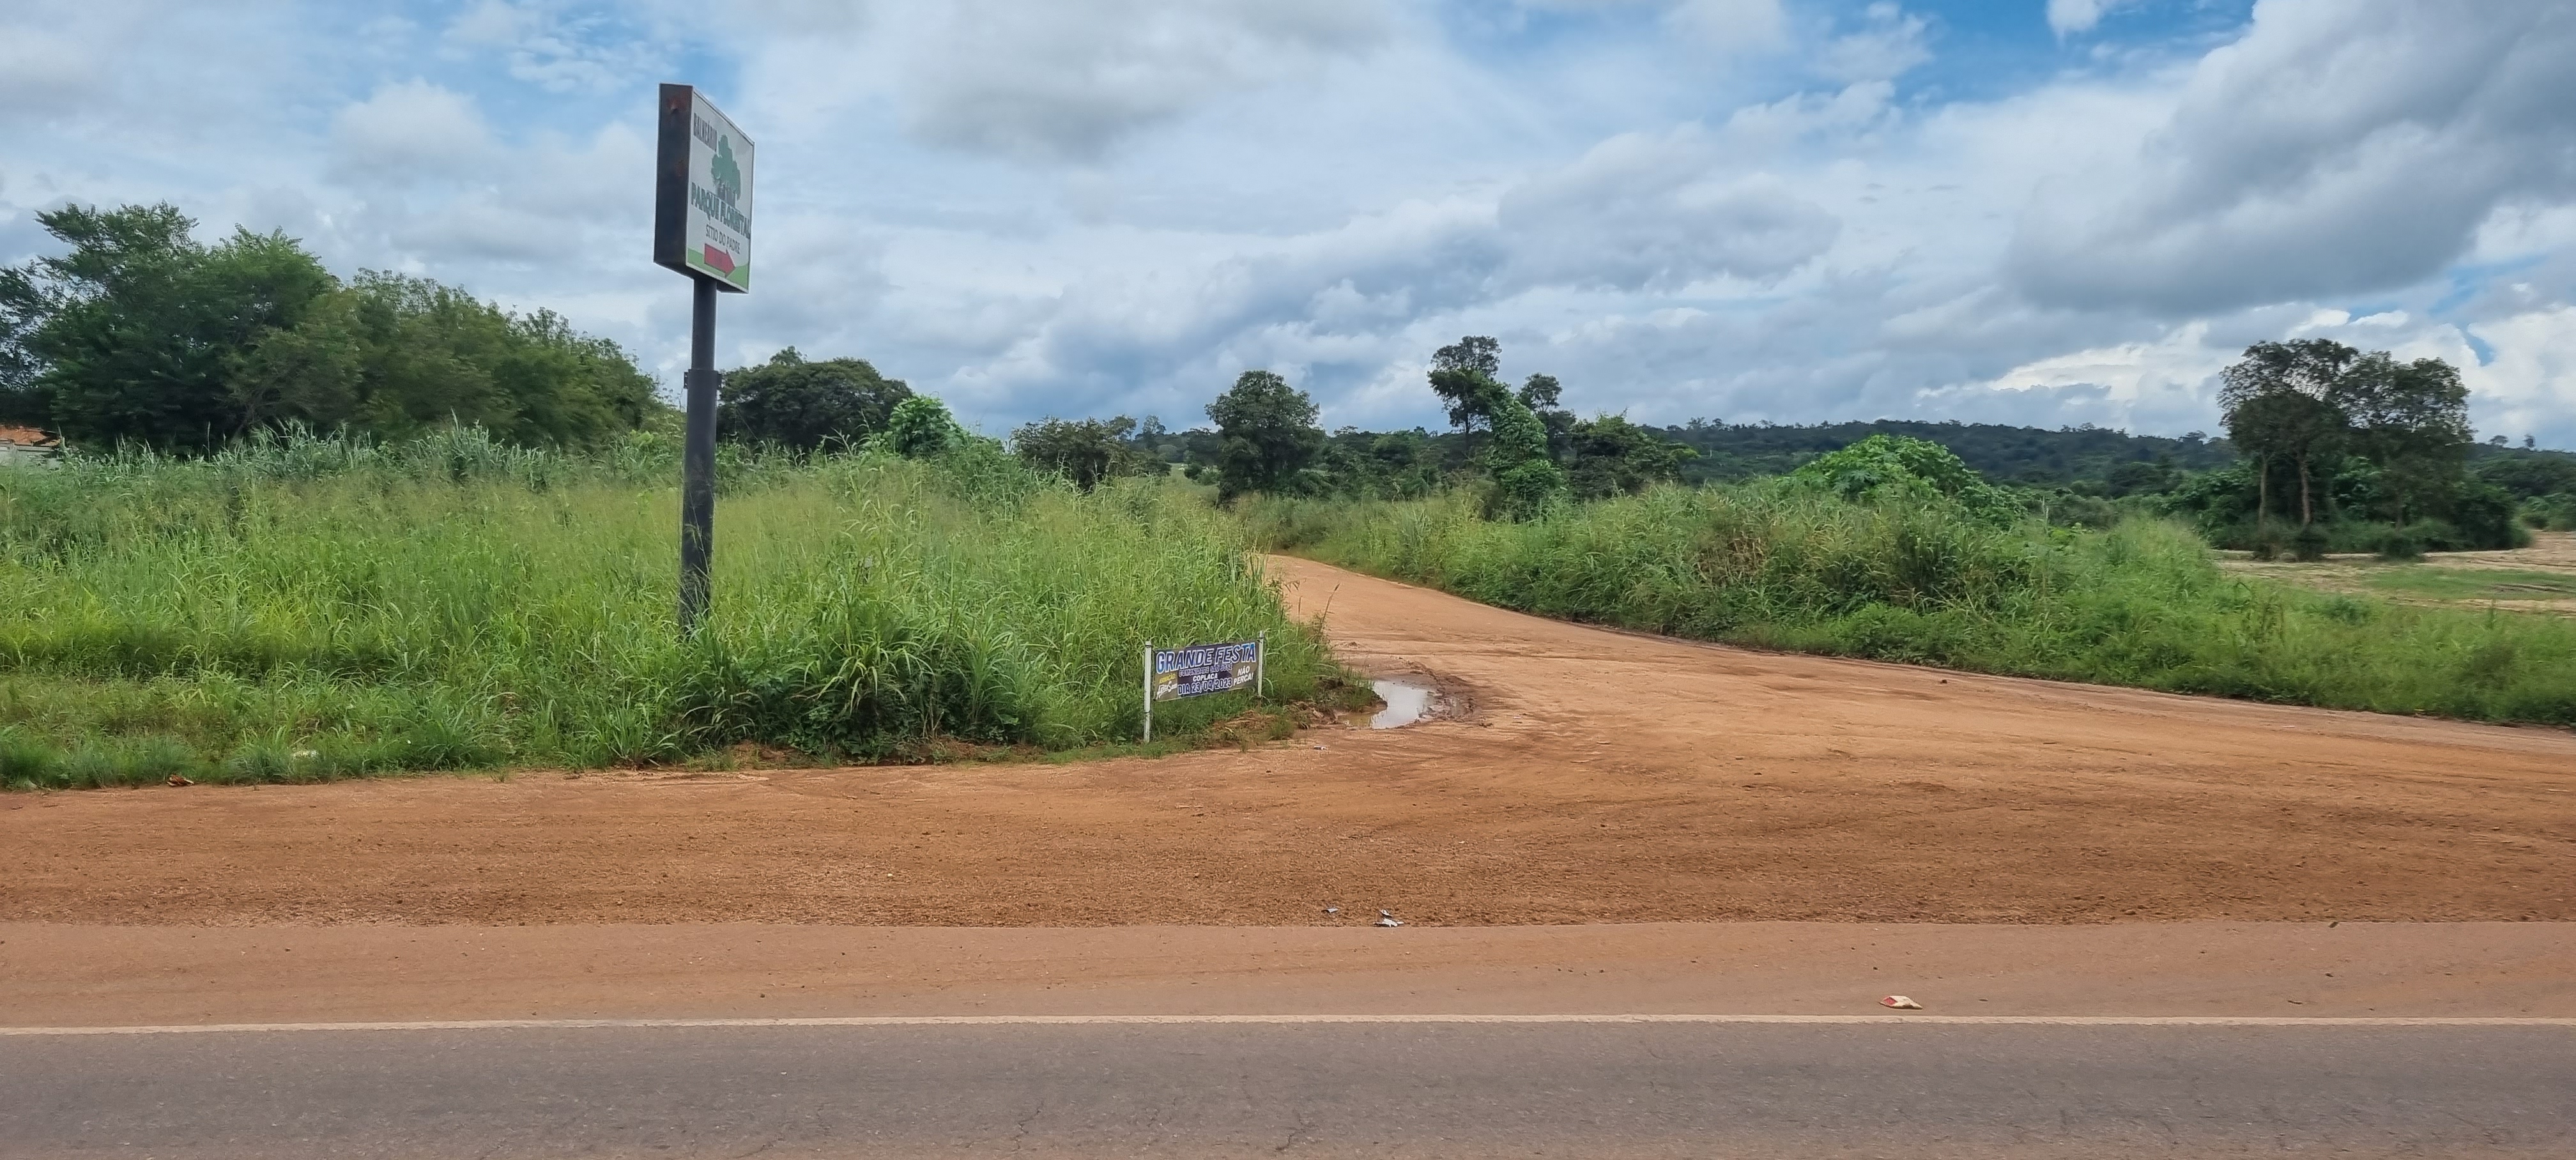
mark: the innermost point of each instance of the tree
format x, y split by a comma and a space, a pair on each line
140, 333
22, 310
806, 405
1613, 456
1086, 452
2141, 477
1266, 434
920, 427
2281, 403
1526, 478
1540, 394
138, 329
2412, 420
314, 373
1403, 464
1463, 374
393, 355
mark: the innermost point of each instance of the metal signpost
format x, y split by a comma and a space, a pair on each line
701, 228
1200, 669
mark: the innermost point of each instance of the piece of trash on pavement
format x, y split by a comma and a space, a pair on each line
180, 779
1332, 910
1388, 918
1901, 1003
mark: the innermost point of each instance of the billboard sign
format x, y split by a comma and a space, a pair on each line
1201, 669
702, 191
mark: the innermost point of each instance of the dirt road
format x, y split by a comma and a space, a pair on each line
1586, 776
125, 976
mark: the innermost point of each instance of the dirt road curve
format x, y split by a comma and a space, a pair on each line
1590, 777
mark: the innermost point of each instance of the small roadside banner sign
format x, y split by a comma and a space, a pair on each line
1199, 669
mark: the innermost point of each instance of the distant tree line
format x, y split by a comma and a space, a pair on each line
2085, 460
141, 334
1266, 439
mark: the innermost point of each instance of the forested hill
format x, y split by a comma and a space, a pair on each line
2028, 455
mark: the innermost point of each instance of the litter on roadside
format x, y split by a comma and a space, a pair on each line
1388, 918
1901, 1003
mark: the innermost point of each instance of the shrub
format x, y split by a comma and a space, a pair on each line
919, 427
1900, 467
2555, 512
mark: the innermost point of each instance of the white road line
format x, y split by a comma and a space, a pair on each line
1177, 1020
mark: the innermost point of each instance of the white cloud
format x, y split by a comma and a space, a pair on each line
43, 70
2170, 380
1648, 212
1067, 80
410, 130
2067, 17
2530, 387
1728, 26
2172, 373
142, 69
1890, 44
1734, 25
2340, 147
493, 24
554, 49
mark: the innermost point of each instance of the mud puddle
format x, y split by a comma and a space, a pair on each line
1405, 704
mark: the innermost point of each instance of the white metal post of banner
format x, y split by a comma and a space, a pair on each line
1149, 692
1261, 667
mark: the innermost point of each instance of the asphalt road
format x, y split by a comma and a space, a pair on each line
1226, 1089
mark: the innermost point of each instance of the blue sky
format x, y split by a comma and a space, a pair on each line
2042, 211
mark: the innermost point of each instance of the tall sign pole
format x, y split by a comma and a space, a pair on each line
698, 456
701, 228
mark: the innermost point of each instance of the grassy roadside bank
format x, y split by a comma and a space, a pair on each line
316, 609
2141, 604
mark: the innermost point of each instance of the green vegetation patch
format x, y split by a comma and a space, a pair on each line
306, 609
2474, 583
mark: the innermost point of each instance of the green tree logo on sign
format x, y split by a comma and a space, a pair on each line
727, 172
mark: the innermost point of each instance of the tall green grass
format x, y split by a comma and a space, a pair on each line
2141, 604
315, 608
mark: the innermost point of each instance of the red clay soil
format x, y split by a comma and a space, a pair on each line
1584, 776
127, 976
